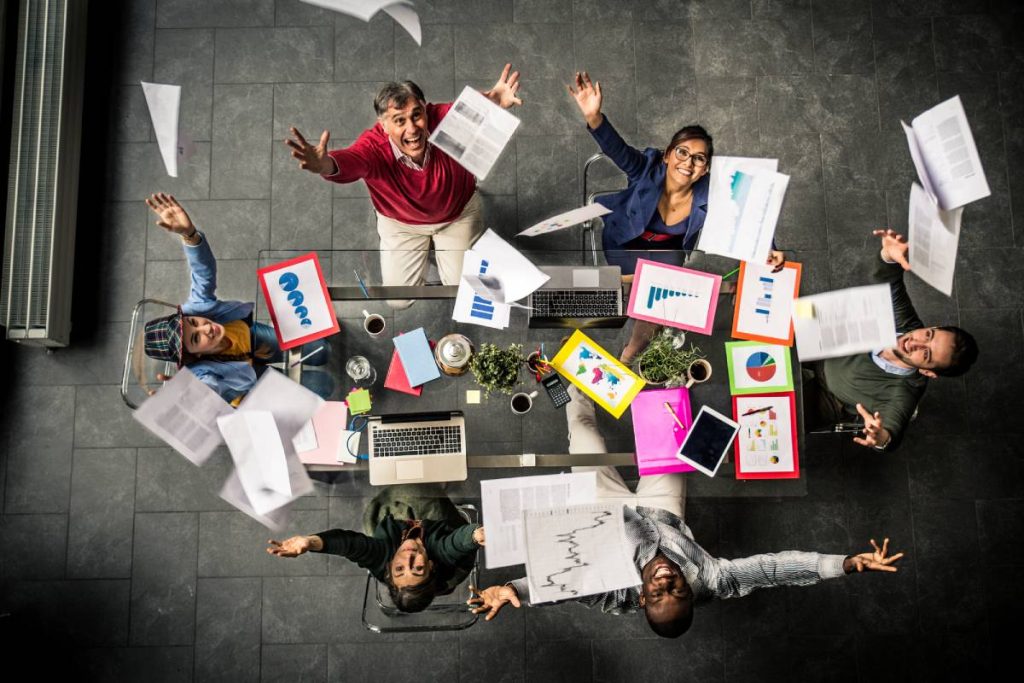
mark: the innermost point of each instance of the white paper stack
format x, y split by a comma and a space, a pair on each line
744, 201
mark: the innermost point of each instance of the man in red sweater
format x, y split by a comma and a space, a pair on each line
420, 194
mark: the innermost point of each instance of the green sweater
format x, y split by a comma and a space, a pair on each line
857, 379
452, 549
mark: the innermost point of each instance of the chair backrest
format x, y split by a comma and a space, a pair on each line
590, 194
445, 613
138, 376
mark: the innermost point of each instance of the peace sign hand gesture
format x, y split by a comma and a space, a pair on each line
312, 158
872, 561
588, 98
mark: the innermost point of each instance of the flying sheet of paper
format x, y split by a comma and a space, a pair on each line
576, 551
232, 492
399, 10
305, 440
518, 276
259, 459
489, 287
503, 502
474, 132
946, 158
844, 322
164, 102
183, 413
934, 235
744, 201
566, 220
472, 308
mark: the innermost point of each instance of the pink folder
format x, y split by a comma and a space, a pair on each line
657, 435
328, 423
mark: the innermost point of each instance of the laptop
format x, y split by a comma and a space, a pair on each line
578, 297
416, 448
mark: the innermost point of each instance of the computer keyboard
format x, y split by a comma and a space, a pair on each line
441, 440
575, 303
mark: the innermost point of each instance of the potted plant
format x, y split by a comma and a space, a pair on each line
497, 369
666, 360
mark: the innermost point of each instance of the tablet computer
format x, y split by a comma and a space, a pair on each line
708, 440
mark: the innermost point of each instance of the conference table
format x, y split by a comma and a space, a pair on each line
496, 437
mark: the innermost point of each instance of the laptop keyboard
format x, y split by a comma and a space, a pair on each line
440, 440
575, 303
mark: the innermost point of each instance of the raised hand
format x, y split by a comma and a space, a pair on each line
894, 246
478, 536
311, 158
777, 260
875, 561
160, 377
491, 600
292, 547
588, 99
875, 433
503, 93
172, 217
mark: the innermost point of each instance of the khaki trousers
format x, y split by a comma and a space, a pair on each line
664, 491
404, 248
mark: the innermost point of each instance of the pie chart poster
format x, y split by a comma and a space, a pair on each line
756, 368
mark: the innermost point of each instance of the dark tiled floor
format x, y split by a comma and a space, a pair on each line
119, 557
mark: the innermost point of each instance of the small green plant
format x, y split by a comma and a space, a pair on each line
665, 360
497, 369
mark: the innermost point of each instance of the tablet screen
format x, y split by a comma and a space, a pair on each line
708, 439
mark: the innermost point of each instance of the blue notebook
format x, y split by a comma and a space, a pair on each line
417, 359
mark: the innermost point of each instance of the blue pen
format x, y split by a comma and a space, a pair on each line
362, 286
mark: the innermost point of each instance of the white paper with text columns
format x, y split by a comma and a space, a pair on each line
934, 236
474, 132
844, 322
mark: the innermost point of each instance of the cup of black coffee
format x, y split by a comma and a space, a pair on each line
522, 402
699, 371
373, 323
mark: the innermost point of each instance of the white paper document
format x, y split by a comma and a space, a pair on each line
260, 464
566, 220
164, 102
744, 201
945, 156
292, 405
504, 501
471, 307
844, 322
400, 10
764, 305
474, 132
934, 235
519, 277
184, 412
577, 551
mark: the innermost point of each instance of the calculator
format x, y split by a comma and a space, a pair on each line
556, 390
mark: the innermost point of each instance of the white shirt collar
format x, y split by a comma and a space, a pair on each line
889, 367
406, 159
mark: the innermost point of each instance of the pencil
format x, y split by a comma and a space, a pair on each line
673, 414
362, 286
308, 355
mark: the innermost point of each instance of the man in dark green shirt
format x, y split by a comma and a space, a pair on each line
885, 386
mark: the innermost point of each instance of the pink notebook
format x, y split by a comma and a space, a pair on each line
657, 435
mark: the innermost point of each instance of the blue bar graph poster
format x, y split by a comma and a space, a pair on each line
674, 296
764, 303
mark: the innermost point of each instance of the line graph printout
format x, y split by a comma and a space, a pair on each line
744, 200
576, 551
505, 500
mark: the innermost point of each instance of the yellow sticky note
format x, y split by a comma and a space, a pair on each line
803, 308
472, 396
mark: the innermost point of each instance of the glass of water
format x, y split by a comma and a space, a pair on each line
360, 370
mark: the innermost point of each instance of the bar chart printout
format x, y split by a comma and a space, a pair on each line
482, 308
473, 308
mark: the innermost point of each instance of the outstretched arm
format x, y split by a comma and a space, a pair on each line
890, 268
504, 92
589, 98
173, 218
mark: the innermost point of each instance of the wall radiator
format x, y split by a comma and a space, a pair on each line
46, 131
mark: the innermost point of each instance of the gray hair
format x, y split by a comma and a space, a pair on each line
399, 94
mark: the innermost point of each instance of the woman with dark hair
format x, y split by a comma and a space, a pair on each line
414, 540
219, 341
661, 212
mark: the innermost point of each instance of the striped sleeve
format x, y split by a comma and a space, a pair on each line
736, 578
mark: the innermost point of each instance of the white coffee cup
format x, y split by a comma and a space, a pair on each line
522, 402
373, 323
698, 372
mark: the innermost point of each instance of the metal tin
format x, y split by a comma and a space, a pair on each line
452, 354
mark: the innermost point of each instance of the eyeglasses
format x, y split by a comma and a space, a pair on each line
683, 154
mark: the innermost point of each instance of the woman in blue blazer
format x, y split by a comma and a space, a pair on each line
660, 214
217, 340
